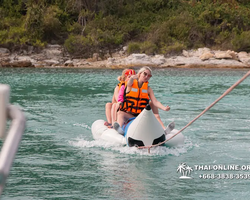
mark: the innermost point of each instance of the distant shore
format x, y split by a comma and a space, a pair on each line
54, 57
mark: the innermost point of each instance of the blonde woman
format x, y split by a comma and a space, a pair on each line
120, 98
108, 107
137, 98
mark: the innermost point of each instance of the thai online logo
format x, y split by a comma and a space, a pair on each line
214, 171
185, 171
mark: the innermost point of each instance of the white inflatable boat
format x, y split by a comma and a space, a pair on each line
144, 130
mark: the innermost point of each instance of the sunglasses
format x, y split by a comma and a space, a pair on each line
147, 75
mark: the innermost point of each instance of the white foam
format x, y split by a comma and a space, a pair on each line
83, 125
156, 151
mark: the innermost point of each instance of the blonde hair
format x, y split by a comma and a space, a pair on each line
144, 69
122, 77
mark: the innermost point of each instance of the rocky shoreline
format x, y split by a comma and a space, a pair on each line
54, 56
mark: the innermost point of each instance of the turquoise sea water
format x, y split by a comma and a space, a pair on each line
58, 158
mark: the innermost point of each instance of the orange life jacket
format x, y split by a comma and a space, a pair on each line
120, 84
136, 99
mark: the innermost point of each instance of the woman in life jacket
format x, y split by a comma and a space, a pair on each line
108, 106
120, 99
137, 95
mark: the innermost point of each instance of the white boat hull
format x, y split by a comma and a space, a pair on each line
144, 130
100, 131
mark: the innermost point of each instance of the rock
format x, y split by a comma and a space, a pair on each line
195, 53
54, 46
224, 63
50, 62
52, 53
23, 58
138, 59
21, 63
222, 55
5, 62
158, 59
131, 60
96, 56
30, 50
185, 53
243, 54
54, 56
206, 56
125, 48
39, 65
69, 63
4, 52
244, 57
181, 61
233, 54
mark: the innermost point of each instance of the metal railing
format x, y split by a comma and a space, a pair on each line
12, 137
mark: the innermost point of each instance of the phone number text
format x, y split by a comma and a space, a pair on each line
224, 176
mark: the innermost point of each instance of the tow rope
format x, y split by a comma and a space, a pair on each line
223, 95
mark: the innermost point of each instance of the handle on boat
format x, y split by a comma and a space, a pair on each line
12, 139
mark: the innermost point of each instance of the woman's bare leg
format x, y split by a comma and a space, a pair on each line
123, 117
115, 107
108, 113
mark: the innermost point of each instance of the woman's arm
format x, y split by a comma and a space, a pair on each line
120, 94
130, 82
155, 101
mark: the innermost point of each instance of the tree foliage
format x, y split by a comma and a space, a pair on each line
148, 26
